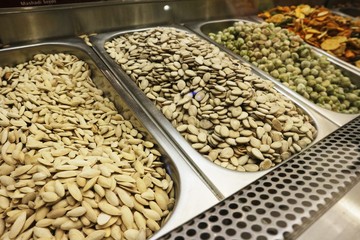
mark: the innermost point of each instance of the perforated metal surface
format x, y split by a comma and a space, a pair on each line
282, 203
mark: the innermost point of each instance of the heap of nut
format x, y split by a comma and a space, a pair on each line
320, 27
71, 167
231, 116
286, 58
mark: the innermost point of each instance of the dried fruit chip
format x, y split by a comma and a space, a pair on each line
320, 19
303, 10
340, 39
330, 44
321, 35
340, 50
308, 36
277, 18
311, 30
306, 9
298, 13
323, 13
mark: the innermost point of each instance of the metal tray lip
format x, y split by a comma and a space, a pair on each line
339, 12
98, 44
69, 42
178, 164
196, 27
98, 40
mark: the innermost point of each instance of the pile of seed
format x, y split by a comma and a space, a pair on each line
71, 166
285, 57
232, 117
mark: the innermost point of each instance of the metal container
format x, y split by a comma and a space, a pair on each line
224, 180
187, 183
340, 119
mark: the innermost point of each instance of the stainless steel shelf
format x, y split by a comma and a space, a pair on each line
285, 202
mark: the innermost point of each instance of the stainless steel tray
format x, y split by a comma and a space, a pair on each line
204, 28
187, 183
225, 180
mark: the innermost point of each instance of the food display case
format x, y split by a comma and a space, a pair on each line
126, 120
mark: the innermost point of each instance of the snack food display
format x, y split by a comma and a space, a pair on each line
229, 115
284, 56
321, 28
71, 165
125, 120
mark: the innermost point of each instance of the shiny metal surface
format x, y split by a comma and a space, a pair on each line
19, 25
204, 28
224, 181
348, 11
343, 217
188, 185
